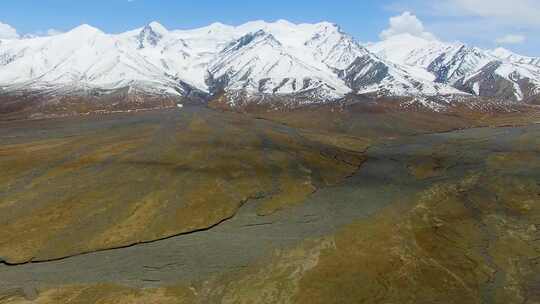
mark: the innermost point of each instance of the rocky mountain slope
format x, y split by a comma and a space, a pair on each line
488, 73
316, 61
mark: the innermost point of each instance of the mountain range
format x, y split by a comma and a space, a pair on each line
318, 62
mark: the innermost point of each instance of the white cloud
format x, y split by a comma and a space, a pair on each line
478, 22
8, 32
524, 12
511, 39
406, 23
511, 12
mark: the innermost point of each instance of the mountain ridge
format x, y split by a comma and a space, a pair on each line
261, 58
486, 73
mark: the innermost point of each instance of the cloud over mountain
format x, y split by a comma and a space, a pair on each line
511, 39
406, 23
8, 32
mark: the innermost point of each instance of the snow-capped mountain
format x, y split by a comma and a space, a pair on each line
258, 62
256, 57
82, 58
260, 58
369, 74
490, 73
505, 54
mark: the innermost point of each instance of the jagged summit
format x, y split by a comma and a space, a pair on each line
259, 36
505, 54
495, 73
157, 27
151, 35
260, 57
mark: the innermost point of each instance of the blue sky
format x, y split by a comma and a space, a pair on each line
486, 23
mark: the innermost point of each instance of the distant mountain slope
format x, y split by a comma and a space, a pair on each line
318, 61
488, 73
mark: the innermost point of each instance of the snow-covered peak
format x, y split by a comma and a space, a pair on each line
151, 35
262, 57
284, 22
502, 53
494, 73
251, 39
447, 62
411, 50
157, 27
510, 56
258, 63
334, 48
369, 74
84, 29
217, 27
